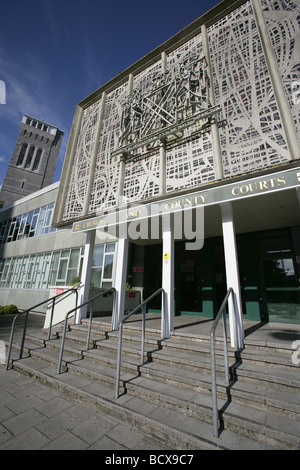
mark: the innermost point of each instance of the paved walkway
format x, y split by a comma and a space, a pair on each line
36, 417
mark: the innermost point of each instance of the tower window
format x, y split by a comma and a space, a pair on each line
37, 160
29, 157
21, 155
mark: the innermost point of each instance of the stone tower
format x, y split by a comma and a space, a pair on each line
34, 159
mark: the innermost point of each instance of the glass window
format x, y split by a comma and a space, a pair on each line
37, 160
110, 248
108, 267
29, 157
98, 255
22, 154
62, 270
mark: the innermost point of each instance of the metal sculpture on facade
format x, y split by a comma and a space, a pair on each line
168, 103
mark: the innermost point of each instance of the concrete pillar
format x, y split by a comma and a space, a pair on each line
120, 281
232, 277
168, 265
86, 274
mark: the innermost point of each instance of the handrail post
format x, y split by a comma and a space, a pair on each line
11, 340
225, 348
214, 386
143, 333
26, 312
90, 322
142, 306
221, 313
51, 318
62, 344
119, 362
90, 325
23, 336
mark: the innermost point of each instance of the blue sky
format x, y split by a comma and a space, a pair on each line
55, 53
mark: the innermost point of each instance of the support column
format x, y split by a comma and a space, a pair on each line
232, 277
168, 265
86, 274
120, 281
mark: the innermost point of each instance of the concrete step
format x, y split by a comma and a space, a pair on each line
103, 366
178, 430
261, 403
195, 372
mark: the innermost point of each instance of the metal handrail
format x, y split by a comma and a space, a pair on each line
127, 315
220, 314
26, 312
111, 289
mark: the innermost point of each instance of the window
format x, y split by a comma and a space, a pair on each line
65, 267
22, 154
60, 268
29, 157
96, 275
37, 160
102, 267
44, 220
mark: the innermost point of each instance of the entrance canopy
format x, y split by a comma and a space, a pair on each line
259, 203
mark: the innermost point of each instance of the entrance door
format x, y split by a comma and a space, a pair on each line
279, 282
188, 282
153, 275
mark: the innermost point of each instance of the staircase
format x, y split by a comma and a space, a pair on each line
169, 396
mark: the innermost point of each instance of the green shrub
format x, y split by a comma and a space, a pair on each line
75, 280
8, 309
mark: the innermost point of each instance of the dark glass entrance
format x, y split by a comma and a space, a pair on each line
279, 279
269, 264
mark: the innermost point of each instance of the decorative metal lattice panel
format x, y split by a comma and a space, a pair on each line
106, 178
190, 163
141, 179
254, 136
283, 22
168, 104
82, 160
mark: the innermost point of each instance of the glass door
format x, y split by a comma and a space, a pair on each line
280, 289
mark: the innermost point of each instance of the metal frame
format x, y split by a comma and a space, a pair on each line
111, 289
221, 313
128, 314
26, 312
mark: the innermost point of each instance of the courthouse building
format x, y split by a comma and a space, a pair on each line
188, 163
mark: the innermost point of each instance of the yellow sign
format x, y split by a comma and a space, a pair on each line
166, 256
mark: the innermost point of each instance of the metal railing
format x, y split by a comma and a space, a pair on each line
127, 315
26, 313
91, 301
221, 313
